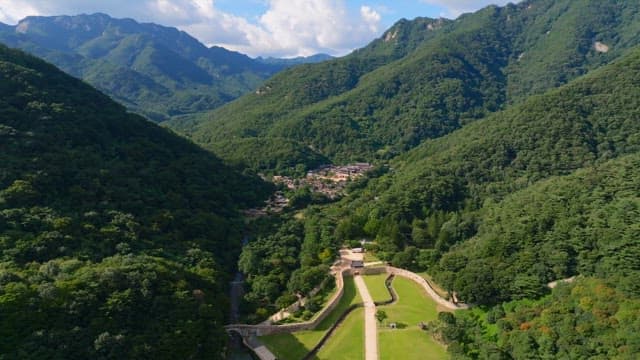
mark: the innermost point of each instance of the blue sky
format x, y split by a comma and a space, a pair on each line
280, 28
391, 11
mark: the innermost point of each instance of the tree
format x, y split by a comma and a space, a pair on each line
381, 315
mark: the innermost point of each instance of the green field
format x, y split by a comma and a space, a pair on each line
348, 341
377, 288
296, 345
370, 256
408, 341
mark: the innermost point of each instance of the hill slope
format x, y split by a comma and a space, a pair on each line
424, 79
116, 236
431, 199
154, 70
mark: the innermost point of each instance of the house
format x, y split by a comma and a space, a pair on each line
356, 264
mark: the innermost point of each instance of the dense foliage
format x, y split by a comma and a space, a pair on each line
290, 257
124, 234
156, 71
432, 199
588, 320
425, 78
117, 237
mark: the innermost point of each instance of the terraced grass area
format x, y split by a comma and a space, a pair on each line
347, 342
408, 341
296, 345
377, 288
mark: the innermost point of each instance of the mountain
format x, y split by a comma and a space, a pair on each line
297, 60
587, 319
259, 115
117, 237
472, 207
154, 70
423, 79
547, 189
584, 223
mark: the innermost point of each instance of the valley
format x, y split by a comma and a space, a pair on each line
463, 189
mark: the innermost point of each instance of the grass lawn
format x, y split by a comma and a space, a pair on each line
296, 345
370, 256
377, 289
347, 342
413, 306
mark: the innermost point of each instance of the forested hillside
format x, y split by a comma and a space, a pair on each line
157, 71
431, 199
117, 237
587, 320
422, 79
542, 191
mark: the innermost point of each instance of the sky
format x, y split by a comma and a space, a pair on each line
278, 28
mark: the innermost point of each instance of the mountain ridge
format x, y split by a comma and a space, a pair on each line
118, 236
384, 103
173, 72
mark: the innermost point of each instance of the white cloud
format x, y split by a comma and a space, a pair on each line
13, 10
457, 7
287, 27
371, 17
312, 26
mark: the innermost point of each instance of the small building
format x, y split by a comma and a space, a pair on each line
357, 264
357, 250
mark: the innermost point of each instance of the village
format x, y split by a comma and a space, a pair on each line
329, 180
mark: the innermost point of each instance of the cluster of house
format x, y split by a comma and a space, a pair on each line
329, 180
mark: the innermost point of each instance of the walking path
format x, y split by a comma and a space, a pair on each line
370, 327
259, 349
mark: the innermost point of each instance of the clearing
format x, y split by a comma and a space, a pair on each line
408, 341
377, 288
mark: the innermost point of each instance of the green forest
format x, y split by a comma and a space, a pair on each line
117, 237
544, 190
505, 147
421, 80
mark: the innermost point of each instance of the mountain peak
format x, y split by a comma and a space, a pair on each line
155, 70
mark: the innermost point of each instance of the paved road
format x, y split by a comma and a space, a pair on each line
370, 327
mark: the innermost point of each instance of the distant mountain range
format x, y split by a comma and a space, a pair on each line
297, 60
422, 79
154, 70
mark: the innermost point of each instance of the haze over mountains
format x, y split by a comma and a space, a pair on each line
157, 71
506, 146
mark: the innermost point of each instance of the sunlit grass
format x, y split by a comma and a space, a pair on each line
377, 288
408, 341
296, 345
347, 342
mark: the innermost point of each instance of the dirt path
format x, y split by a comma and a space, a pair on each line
370, 327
